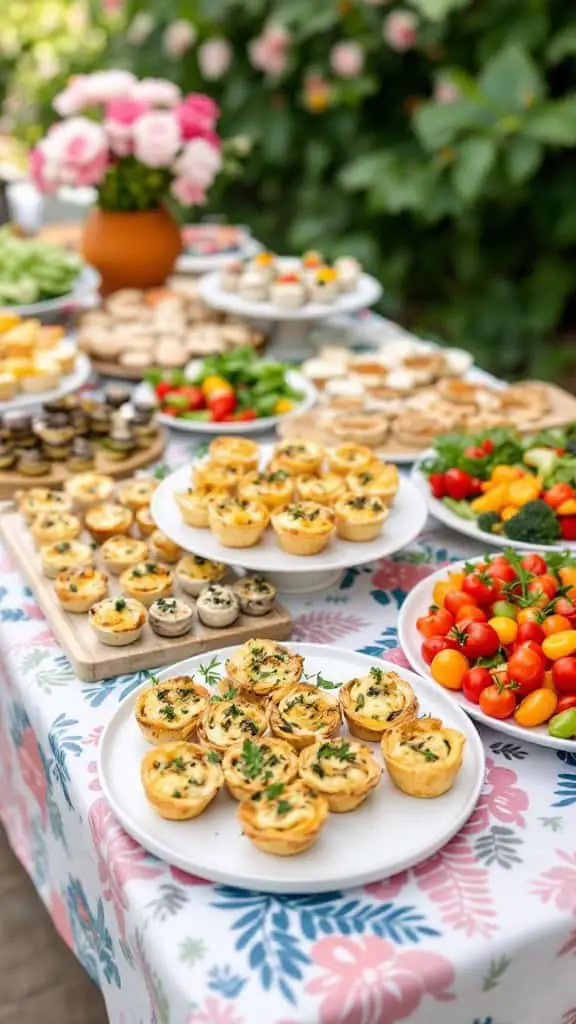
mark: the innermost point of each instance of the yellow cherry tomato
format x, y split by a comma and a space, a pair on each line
556, 624
214, 385
439, 591
457, 579
507, 629
559, 645
448, 668
527, 615
568, 575
283, 405
536, 708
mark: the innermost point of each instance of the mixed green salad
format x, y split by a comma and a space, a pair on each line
32, 271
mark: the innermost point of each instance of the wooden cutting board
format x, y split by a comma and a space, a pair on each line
92, 660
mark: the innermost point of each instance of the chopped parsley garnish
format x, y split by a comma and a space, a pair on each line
360, 702
229, 695
283, 806
273, 791
120, 604
167, 712
177, 763
339, 751
213, 757
376, 674
176, 794
209, 672
252, 761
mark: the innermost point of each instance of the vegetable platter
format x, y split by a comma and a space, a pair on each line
37, 277
499, 633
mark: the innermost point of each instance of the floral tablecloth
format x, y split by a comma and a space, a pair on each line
482, 933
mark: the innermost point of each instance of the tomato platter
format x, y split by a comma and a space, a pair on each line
498, 633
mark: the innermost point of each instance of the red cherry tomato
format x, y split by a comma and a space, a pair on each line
436, 623
476, 639
543, 586
500, 569
564, 674
530, 631
454, 600
437, 485
488, 446
460, 485
534, 564
481, 587
558, 494
475, 452
565, 606
497, 702
470, 613
475, 680
526, 668
435, 644
566, 702
568, 527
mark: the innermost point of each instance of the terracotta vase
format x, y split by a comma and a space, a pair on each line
131, 250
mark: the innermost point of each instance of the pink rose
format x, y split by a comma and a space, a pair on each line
157, 92
120, 118
198, 163
214, 58
347, 60
74, 98
94, 90
269, 52
156, 138
197, 115
74, 152
445, 91
187, 193
37, 167
178, 38
399, 30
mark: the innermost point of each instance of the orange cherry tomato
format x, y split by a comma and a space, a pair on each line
536, 708
568, 575
497, 702
456, 599
436, 623
559, 645
548, 681
470, 613
449, 668
528, 615
441, 588
556, 624
507, 629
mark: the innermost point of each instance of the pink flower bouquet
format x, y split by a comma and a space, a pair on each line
135, 141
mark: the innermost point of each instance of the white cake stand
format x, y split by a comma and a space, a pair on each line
289, 328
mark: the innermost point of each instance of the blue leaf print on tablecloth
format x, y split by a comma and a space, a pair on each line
395, 596
121, 686
566, 782
223, 980
92, 940
61, 744
388, 639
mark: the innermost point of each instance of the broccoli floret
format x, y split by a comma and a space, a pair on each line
488, 521
535, 523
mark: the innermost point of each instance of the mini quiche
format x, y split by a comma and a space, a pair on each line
274, 489
283, 819
144, 522
256, 596
41, 500
146, 582
298, 457
259, 667
423, 757
118, 621
303, 528
78, 589
193, 573
164, 548
378, 480
49, 527
120, 553
360, 517
324, 489
238, 523
214, 476
301, 715
377, 702
226, 721
217, 606
65, 554
235, 451
136, 493
193, 505
249, 765
342, 770
86, 489
170, 709
350, 458
170, 617
107, 520
181, 779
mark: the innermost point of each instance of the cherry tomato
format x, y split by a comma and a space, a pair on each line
459, 485
557, 494
528, 615
437, 485
560, 645
470, 613
565, 606
500, 569
531, 645
475, 452
543, 587
476, 639
536, 708
474, 681
506, 629
548, 681
488, 446
568, 527
526, 668
556, 624
433, 646
439, 591
497, 701
436, 623
567, 701
481, 587
448, 668
530, 631
564, 675
568, 575
505, 609
455, 600
534, 564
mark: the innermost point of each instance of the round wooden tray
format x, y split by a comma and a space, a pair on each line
10, 481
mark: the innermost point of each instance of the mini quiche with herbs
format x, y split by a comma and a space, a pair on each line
235, 451
65, 554
360, 517
256, 595
298, 457
122, 552
146, 582
86, 489
214, 476
301, 715
238, 523
170, 709
423, 757
181, 779
78, 589
193, 505
136, 493
274, 489
193, 573
108, 520
260, 667
118, 621
324, 489
144, 521
226, 721
350, 458
304, 528
377, 702
380, 480
283, 819
342, 770
164, 548
40, 500
250, 765
50, 527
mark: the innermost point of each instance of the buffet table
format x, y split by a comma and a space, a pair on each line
468, 937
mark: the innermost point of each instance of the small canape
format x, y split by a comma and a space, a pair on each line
217, 606
86, 489
256, 595
193, 573
273, 489
298, 456
238, 452
365, 429
170, 709
107, 520
423, 757
78, 589
209, 475
253, 764
264, 264
377, 702
230, 274
303, 528
193, 505
226, 721
168, 616
360, 517
342, 770
50, 527
350, 458
238, 523
324, 489
260, 667
65, 554
146, 582
379, 480
180, 780
121, 552
288, 291
312, 262
283, 819
301, 715
349, 271
118, 621
40, 500
252, 286
144, 522
324, 286
32, 463
164, 548
136, 493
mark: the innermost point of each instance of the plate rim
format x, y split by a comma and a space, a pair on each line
68, 383
474, 745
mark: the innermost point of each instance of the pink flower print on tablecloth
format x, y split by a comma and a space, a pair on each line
215, 1011
120, 858
558, 884
321, 627
460, 887
396, 656
32, 769
389, 888
501, 798
185, 878
391, 575
369, 981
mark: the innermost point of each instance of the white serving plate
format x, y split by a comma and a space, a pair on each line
85, 286
189, 263
416, 604
388, 833
67, 385
295, 379
468, 527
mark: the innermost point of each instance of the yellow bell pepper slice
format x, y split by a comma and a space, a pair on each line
491, 501
567, 508
283, 405
215, 385
505, 474
508, 512
526, 489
